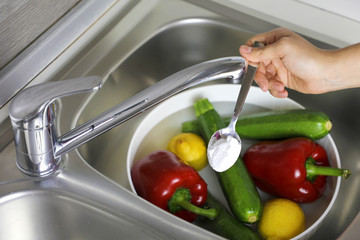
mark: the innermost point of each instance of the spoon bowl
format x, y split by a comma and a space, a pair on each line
224, 148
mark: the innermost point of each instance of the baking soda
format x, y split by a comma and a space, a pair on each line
223, 153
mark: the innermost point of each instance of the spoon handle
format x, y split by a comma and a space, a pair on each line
245, 86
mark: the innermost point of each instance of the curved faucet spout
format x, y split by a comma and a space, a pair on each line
223, 68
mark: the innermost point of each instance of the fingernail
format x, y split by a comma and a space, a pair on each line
245, 49
283, 94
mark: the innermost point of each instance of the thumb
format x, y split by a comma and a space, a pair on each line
250, 53
257, 54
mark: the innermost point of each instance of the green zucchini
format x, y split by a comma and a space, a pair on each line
276, 124
237, 185
225, 224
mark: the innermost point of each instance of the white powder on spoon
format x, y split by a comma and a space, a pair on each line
223, 151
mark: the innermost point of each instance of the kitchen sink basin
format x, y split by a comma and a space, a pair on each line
90, 196
79, 203
56, 213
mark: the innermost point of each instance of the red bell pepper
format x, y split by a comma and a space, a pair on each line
166, 182
294, 168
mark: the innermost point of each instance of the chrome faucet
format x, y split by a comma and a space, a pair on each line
32, 113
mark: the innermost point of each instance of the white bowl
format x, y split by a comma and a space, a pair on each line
164, 122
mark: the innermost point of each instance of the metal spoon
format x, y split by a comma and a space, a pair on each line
225, 144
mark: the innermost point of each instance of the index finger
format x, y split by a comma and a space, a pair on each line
270, 36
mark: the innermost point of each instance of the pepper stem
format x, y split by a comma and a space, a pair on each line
314, 170
181, 200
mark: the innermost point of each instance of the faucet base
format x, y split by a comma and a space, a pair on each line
39, 172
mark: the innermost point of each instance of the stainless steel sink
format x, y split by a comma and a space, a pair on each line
58, 213
80, 203
90, 197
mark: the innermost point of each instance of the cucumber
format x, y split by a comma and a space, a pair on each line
276, 124
225, 224
237, 185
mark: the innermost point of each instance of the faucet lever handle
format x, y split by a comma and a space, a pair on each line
32, 118
33, 101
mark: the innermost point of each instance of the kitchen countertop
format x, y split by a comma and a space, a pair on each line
327, 25
345, 8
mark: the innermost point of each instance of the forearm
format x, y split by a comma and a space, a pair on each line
342, 68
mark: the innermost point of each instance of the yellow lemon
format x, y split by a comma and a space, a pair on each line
190, 148
281, 219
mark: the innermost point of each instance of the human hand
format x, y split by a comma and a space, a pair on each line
287, 60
